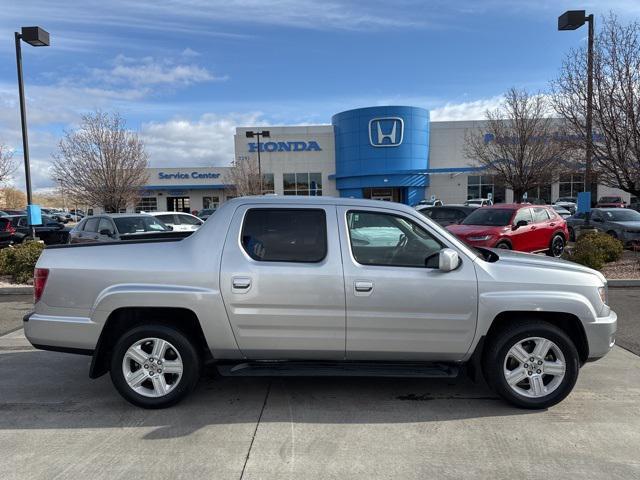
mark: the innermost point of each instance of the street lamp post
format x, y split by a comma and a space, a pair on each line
257, 134
64, 199
37, 37
572, 20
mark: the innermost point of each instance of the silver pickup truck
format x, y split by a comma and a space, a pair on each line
320, 286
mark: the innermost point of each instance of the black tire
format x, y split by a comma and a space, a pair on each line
498, 347
572, 235
191, 365
556, 246
504, 245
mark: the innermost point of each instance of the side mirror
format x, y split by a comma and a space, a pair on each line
170, 227
521, 223
105, 232
448, 260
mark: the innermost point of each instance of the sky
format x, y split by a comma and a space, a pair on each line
185, 73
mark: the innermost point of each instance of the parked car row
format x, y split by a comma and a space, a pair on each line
623, 224
14, 229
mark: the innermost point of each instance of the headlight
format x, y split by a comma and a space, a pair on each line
479, 239
602, 291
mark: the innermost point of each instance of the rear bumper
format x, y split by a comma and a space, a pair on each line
601, 335
61, 333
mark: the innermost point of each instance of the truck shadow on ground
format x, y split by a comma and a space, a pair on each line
45, 390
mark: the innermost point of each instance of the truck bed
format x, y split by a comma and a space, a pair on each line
132, 238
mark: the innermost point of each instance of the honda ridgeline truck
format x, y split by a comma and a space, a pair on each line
320, 286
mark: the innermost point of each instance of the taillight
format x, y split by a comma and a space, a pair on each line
9, 228
40, 276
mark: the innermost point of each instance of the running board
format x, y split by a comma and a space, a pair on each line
338, 369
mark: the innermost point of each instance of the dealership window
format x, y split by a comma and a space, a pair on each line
285, 235
210, 202
147, 204
267, 183
571, 185
543, 192
480, 186
302, 184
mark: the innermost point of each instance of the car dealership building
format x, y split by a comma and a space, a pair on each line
390, 153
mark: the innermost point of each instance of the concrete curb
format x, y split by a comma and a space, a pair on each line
22, 290
623, 283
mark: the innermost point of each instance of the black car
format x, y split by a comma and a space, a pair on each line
112, 227
51, 232
447, 214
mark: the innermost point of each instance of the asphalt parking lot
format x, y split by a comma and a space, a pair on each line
56, 423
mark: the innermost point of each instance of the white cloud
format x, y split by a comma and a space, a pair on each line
473, 110
207, 141
153, 71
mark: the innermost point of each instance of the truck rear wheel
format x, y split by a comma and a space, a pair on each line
532, 364
154, 366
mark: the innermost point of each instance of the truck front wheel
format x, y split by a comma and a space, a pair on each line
154, 366
532, 364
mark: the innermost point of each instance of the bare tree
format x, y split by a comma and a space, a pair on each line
243, 177
7, 164
101, 163
12, 198
616, 102
519, 143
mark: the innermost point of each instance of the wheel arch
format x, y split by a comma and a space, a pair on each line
122, 319
567, 322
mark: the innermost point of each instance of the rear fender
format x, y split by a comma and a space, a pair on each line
205, 303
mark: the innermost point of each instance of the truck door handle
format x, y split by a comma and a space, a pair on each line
363, 287
241, 283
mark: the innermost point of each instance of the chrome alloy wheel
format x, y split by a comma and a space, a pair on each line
152, 367
534, 367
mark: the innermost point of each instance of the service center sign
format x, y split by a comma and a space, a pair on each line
184, 176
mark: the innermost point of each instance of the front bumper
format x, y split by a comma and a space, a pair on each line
601, 335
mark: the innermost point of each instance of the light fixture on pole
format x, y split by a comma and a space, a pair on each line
572, 20
257, 134
36, 37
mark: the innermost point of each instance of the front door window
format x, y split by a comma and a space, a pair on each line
386, 239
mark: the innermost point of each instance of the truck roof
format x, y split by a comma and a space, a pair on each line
297, 200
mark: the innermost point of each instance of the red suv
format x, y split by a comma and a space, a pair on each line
527, 228
611, 202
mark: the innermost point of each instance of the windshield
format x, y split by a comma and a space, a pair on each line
566, 199
141, 224
622, 215
492, 217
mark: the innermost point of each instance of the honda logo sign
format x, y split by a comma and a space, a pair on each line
386, 132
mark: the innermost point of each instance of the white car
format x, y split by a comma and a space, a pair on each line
478, 202
179, 221
568, 203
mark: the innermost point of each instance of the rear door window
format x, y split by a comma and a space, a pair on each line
187, 220
285, 235
540, 215
169, 219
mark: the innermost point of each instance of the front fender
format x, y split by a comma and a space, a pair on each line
205, 303
492, 304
